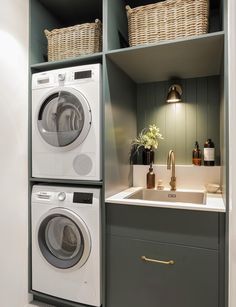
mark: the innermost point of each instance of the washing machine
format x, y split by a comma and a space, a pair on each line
66, 243
66, 123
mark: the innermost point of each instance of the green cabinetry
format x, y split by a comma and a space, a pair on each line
191, 281
182, 250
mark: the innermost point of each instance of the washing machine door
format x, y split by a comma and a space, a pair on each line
63, 238
64, 118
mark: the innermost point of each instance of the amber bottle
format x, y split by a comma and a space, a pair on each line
150, 178
197, 155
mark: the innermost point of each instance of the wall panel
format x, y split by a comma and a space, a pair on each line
196, 118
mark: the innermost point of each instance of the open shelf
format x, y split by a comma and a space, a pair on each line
117, 23
54, 14
183, 58
82, 60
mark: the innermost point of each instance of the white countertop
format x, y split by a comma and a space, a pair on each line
214, 202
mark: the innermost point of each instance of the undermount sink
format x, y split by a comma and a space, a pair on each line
196, 197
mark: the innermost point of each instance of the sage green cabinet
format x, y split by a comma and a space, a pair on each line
192, 281
184, 257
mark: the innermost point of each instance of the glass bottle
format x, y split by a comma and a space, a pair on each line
150, 178
197, 155
209, 153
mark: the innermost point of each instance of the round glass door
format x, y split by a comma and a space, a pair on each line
63, 239
64, 117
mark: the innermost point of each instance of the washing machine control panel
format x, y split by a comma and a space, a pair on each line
76, 198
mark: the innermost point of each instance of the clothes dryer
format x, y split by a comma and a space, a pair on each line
66, 123
66, 243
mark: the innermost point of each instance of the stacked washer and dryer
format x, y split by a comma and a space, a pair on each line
65, 220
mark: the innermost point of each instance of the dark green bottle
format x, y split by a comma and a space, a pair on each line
209, 153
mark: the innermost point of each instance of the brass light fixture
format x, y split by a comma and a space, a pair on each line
174, 94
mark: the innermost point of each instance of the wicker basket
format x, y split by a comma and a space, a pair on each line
74, 41
166, 20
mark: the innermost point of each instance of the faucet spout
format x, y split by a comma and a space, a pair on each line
171, 165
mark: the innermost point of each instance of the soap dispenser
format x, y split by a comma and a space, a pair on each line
150, 178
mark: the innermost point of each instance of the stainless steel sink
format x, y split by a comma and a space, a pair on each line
196, 197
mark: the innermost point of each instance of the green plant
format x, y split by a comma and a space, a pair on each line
148, 138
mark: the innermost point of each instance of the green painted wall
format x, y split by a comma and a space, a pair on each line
40, 19
117, 21
196, 118
120, 127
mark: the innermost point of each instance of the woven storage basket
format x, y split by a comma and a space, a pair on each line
73, 41
166, 20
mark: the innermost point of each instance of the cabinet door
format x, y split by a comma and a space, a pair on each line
192, 281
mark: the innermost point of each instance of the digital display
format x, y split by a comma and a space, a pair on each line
83, 198
83, 74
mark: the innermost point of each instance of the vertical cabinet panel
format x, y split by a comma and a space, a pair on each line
191, 282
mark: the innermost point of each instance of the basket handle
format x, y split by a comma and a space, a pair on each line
97, 21
128, 8
46, 32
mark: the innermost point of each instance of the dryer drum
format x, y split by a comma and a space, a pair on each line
61, 119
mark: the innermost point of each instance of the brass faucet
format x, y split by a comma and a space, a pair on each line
171, 164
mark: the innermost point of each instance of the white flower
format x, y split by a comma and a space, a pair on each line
148, 137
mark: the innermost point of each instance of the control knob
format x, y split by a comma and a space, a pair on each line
61, 196
61, 77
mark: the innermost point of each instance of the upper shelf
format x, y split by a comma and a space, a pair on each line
184, 58
117, 23
82, 60
54, 14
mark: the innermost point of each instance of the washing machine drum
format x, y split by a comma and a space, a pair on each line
64, 118
63, 239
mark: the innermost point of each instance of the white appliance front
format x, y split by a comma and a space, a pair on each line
66, 243
66, 123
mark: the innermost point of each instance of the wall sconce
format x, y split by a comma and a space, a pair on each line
174, 93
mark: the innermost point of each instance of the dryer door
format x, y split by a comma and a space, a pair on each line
64, 118
63, 238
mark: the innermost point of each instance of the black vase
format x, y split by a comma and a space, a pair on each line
148, 156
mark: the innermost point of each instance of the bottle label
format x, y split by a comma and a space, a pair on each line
209, 154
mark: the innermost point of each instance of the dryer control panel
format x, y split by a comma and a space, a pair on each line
66, 76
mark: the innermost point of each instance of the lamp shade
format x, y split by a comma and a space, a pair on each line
174, 94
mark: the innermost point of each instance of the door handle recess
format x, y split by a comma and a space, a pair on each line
169, 262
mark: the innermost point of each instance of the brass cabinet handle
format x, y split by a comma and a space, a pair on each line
170, 262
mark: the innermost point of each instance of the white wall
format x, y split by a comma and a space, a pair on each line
13, 152
232, 153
